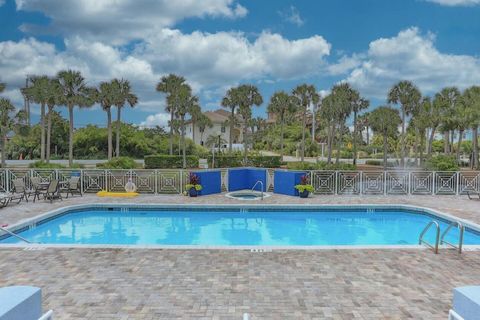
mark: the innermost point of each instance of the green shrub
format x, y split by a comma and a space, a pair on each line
227, 161
169, 162
232, 161
441, 163
320, 166
119, 163
374, 162
44, 165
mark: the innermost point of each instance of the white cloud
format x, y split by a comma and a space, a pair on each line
452, 3
213, 59
158, 119
119, 21
292, 15
412, 56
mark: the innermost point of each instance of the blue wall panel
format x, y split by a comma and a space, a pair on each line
255, 175
211, 182
245, 178
285, 182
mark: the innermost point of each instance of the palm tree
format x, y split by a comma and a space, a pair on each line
170, 85
8, 122
38, 93
358, 104
74, 93
195, 114
54, 98
248, 96
107, 94
448, 100
186, 103
421, 122
471, 98
464, 118
306, 95
231, 101
343, 98
281, 105
203, 122
385, 121
408, 96
125, 96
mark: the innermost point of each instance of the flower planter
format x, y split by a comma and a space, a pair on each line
193, 192
304, 194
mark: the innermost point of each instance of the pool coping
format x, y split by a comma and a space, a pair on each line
32, 222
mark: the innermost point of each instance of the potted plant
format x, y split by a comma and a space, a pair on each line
304, 188
193, 187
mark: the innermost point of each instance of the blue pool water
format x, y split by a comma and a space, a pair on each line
234, 227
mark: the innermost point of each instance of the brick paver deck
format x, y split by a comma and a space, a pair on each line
225, 284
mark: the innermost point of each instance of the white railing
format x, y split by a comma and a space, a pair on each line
164, 181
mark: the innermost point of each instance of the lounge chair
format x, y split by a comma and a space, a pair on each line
5, 199
471, 195
72, 186
20, 191
53, 191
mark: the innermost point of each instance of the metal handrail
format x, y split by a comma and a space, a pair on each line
15, 235
261, 183
461, 229
437, 238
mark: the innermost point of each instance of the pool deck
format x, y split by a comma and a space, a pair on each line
224, 284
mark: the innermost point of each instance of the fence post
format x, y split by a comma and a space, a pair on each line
434, 182
7, 180
361, 182
385, 182
106, 180
458, 182
336, 183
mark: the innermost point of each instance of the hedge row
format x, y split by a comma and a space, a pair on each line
226, 161
169, 162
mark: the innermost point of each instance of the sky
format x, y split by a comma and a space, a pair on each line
218, 44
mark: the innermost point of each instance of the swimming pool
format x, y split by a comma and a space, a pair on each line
236, 226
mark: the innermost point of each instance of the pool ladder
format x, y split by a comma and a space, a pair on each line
261, 184
15, 235
440, 239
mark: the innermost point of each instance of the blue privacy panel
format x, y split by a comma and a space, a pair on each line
245, 178
237, 179
255, 175
211, 182
285, 182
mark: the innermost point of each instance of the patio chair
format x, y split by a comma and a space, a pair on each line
52, 192
5, 199
471, 195
72, 186
37, 187
20, 191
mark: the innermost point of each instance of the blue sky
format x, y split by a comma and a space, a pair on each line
217, 44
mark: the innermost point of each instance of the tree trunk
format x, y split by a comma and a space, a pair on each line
385, 151
4, 146
171, 132
313, 123
70, 136
184, 153
245, 143
430, 142
49, 132
475, 146
368, 135
354, 138
460, 137
109, 129
304, 120
402, 155
330, 143
339, 142
42, 125
230, 138
422, 143
117, 140
452, 139
446, 142
281, 140
415, 147
193, 130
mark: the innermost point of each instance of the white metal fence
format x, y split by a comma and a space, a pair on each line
324, 182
